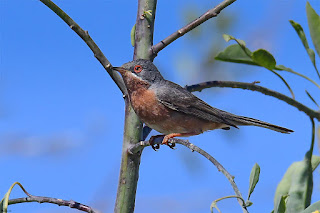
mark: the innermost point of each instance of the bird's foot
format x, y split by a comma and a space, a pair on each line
154, 146
166, 141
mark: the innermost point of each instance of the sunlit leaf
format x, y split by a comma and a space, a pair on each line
314, 26
264, 59
315, 161
248, 203
297, 183
228, 38
280, 206
254, 178
312, 208
133, 35
300, 33
304, 41
234, 53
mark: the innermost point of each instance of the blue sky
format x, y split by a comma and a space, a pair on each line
61, 116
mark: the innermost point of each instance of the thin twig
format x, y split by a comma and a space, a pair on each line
40, 199
312, 137
214, 203
59, 202
155, 49
88, 40
139, 146
254, 87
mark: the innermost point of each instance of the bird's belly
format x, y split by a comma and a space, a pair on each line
179, 122
165, 120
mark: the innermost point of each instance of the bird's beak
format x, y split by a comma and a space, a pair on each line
120, 70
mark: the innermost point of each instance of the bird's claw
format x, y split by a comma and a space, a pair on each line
155, 147
171, 145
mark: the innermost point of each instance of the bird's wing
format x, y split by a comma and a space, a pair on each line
178, 98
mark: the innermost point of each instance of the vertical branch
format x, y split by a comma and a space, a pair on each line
144, 29
129, 171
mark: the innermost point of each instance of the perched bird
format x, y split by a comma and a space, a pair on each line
171, 109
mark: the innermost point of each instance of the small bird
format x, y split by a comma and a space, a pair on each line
171, 109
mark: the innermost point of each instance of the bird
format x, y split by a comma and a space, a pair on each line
171, 109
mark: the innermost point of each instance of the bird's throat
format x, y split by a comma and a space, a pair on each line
134, 83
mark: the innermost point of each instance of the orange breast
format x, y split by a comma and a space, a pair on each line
166, 120
147, 107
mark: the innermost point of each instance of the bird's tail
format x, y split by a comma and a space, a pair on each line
245, 121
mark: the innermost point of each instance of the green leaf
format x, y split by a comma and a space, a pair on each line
148, 12
313, 208
314, 26
300, 33
297, 182
248, 203
5, 199
312, 99
315, 161
280, 206
240, 54
254, 178
234, 53
228, 38
133, 35
264, 58
304, 41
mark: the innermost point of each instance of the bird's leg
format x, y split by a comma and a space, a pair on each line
172, 135
151, 141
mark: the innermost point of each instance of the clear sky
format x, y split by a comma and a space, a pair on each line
61, 116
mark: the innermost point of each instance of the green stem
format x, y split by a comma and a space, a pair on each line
129, 171
303, 76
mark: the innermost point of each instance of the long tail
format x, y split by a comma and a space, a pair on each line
245, 121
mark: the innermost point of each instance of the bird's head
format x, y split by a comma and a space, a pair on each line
139, 70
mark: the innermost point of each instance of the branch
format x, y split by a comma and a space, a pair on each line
139, 146
129, 169
39, 199
72, 204
155, 49
88, 40
254, 87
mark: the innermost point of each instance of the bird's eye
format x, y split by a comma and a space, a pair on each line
137, 68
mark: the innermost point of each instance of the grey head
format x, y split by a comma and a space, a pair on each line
143, 69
